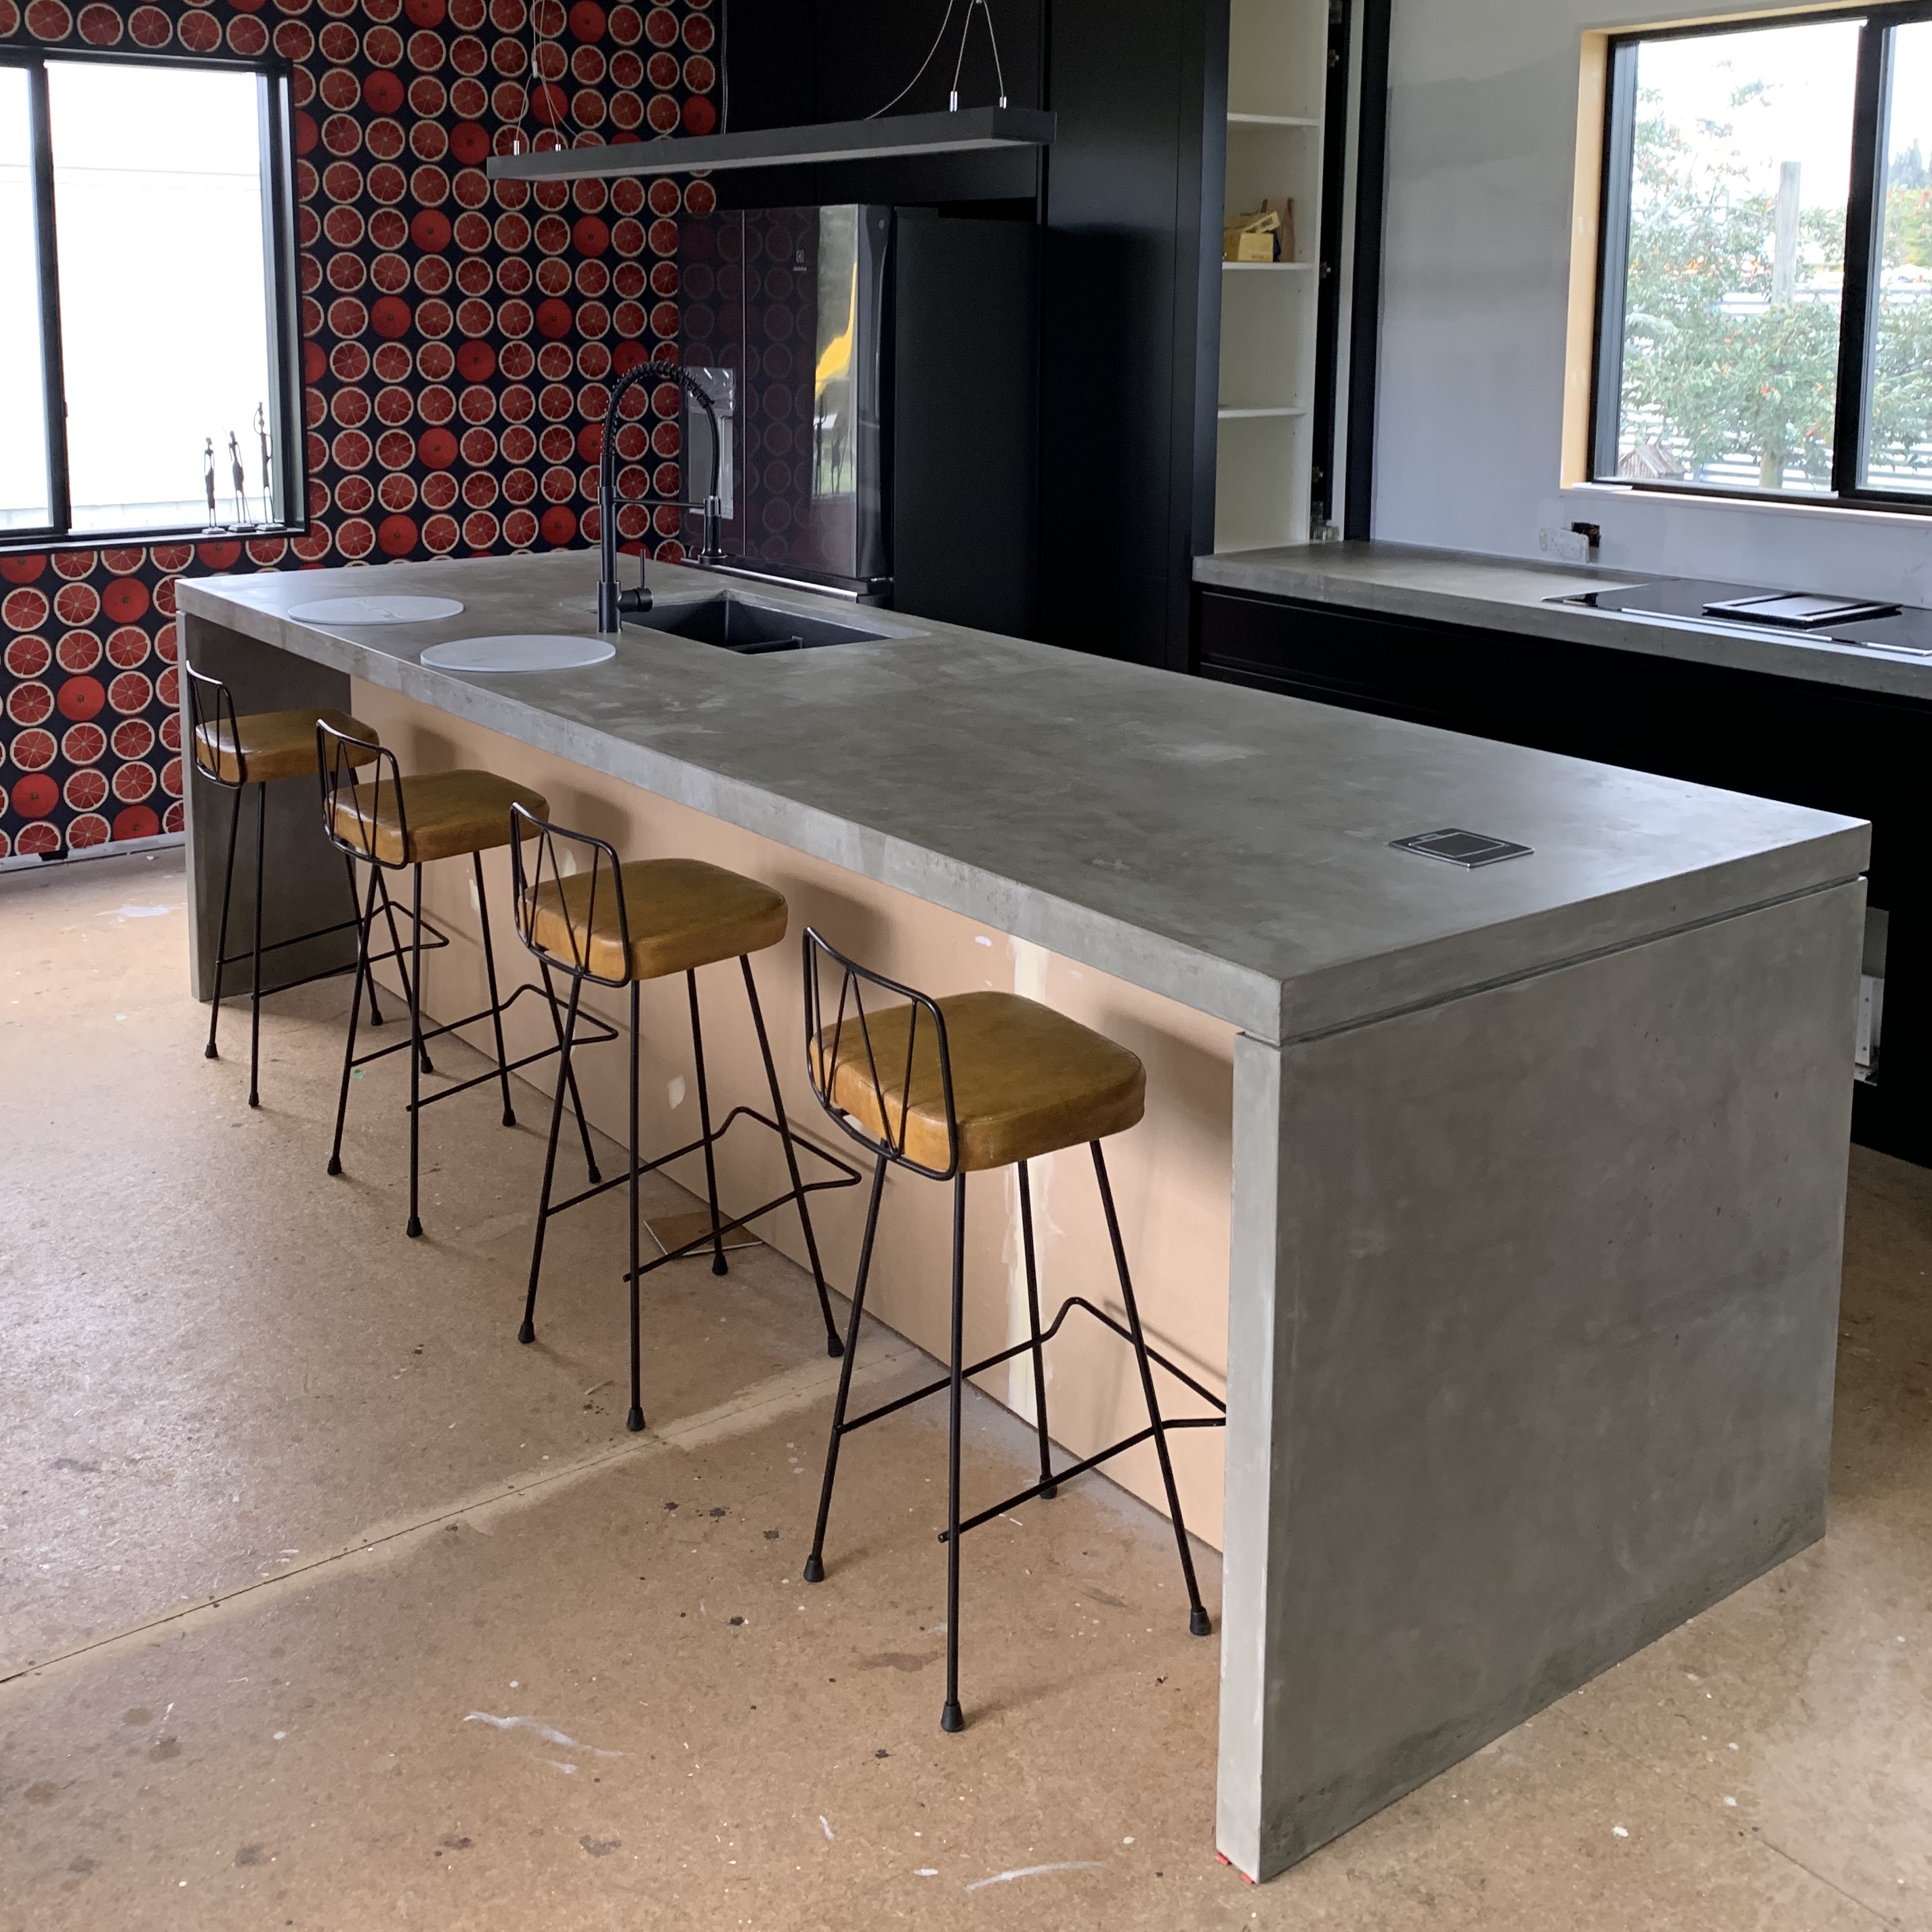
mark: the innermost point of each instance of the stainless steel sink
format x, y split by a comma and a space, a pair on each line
736, 623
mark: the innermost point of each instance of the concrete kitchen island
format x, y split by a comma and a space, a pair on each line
1527, 1183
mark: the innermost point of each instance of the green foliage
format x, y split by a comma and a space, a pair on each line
1720, 379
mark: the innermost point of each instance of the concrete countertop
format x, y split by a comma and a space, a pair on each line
1501, 594
1227, 848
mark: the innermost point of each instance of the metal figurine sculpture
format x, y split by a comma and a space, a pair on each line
207, 477
614, 605
240, 477
268, 488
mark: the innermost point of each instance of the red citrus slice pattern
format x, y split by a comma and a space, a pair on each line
86, 789
30, 703
130, 692
134, 782
28, 657
459, 67
33, 751
79, 650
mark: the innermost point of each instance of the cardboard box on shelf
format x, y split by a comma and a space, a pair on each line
1265, 234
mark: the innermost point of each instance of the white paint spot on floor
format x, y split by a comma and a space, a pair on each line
829, 1838
1618, 1831
926, 1871
1033, 1871
548, 1732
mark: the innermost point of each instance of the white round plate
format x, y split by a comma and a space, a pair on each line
526, 651
375, 611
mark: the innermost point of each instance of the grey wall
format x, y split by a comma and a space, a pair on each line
1481, 164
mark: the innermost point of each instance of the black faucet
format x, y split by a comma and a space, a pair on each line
614, 605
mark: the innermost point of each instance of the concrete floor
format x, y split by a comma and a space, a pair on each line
322, 1603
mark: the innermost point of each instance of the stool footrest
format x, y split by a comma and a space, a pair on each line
603, 1033
430, 944
848, 1176
1025, 1348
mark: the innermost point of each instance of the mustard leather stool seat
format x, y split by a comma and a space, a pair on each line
947, 1087
681, 913
259, 748
393, 822
1026, 1081
605, 921
269, 744
442, 815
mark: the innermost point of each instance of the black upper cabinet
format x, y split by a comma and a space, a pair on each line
1128, 197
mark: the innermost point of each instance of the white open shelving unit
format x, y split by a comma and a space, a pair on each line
1277, 88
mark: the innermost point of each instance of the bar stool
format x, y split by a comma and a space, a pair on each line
949, 1087
396, 822
605, 923
235, 753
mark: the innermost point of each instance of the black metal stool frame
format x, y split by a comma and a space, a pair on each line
211, 710
889, 1151
338, 775
606, 874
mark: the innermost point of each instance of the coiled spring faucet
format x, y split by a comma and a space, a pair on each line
614, 604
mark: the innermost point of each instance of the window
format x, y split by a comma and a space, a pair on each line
1765, 317
149, 325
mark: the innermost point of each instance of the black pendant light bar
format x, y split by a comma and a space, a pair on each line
965, 130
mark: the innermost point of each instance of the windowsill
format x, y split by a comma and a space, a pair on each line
24, 545
1755, 506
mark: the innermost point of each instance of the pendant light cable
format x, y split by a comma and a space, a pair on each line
938, 40
965, 34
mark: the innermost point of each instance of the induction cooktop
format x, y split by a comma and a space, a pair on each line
1789, 616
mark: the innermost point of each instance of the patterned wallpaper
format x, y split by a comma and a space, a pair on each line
456, 338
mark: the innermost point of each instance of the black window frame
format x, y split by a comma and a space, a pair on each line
275, 82
1864, 217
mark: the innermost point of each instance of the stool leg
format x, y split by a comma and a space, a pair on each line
833, 1347
1197, 1620
414, 1227
1048, 1487
949, 1719
635, 1421
814, 1564
221, 943
365, 920
566, 1038
255, 980
576, 1098
495, 1004
718, 1265
355, 906
402, 970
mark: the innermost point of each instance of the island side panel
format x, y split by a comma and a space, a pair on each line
1551, 1348
304, 883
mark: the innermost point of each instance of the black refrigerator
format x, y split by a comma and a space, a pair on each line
875, 371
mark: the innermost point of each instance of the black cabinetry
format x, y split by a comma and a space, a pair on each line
1811, 744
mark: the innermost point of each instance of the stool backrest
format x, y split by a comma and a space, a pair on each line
556, 854
856, 1030
211, 727
337, 755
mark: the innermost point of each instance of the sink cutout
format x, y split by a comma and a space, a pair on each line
735, 623
521, 651
375, 611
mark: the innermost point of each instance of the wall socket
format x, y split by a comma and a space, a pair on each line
1577, 545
